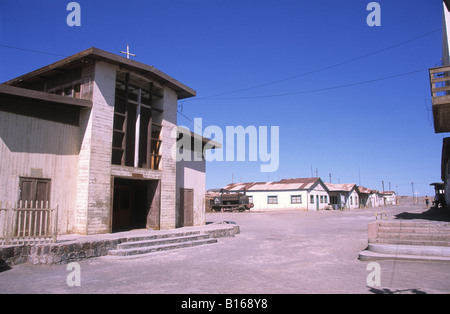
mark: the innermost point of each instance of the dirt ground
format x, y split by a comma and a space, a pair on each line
288, 252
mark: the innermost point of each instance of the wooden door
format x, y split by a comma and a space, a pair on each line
187, 206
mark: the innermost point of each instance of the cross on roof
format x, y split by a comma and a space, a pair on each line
128, 52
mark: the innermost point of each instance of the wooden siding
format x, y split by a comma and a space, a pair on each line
34, 148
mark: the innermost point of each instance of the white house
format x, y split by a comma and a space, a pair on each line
365, 199
344, 195
388, 198
301, 193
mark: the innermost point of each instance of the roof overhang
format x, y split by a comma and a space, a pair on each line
42, 97
447, 4
206, 143
41, 105
96, 54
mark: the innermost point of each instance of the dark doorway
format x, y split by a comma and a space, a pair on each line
186, 212
133, 201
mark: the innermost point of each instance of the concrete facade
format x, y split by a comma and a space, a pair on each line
94, 174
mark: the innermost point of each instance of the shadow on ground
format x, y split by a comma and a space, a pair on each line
4, 266
433, 214
398, 291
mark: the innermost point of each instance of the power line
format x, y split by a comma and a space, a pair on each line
320, 89
189, 119
310, 91
323, 68
32, 50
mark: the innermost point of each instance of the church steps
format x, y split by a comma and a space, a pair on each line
161, 244
408, 240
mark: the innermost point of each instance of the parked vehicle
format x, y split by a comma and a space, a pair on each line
439, 198
232, 201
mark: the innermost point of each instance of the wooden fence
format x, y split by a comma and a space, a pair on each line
27, 223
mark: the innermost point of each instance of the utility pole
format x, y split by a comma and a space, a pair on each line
330, 178
397, 197
382, 182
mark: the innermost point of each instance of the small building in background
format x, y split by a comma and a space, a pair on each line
300, 193
388, 198
343, 195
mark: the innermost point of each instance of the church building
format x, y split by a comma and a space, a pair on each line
93, 134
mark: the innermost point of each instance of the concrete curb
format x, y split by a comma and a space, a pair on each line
405, 252
72, 248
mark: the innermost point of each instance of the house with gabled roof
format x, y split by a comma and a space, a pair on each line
388, 197
365, 197
344, 195
298, 194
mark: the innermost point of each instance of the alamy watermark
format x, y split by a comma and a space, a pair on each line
374, 277
73, 279
239, 144
74, 17
374, 17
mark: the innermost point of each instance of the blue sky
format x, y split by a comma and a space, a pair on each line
353, 100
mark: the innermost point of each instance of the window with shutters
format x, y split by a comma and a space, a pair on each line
34, 190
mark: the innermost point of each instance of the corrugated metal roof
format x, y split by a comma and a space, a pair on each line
347, 187
387, 193
285, 184
297, 184
365, 190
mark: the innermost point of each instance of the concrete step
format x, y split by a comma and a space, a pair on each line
419, 230
413, 233
160, 235
161, 241
160, 244
413, 223
405, 252
412, 242
431, 236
